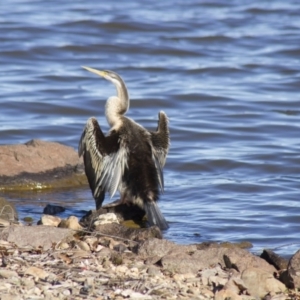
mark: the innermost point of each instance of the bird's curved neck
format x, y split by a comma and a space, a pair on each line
117, 106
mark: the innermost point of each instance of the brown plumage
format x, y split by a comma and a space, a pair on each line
130, 159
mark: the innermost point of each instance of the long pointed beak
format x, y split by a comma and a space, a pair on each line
98, 72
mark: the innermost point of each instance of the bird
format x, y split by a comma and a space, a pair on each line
129, 158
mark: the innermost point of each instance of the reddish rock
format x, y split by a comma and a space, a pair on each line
38, 164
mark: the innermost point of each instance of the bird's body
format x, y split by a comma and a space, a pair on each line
129, 159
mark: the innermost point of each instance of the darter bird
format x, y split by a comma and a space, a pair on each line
129, 159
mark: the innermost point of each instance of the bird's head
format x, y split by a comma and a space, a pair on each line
108, 75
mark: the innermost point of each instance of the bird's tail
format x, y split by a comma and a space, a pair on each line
155, 216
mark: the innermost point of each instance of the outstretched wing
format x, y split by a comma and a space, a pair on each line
104, 159
161, 143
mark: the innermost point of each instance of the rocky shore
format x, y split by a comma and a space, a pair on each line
113, 262
99, 257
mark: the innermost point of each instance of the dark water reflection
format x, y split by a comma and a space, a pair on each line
226, 73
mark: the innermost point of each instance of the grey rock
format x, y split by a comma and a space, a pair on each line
293, 272
155, 248
241, 259
260, 283
181, 263
35, 236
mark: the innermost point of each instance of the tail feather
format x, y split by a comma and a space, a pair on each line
154, 215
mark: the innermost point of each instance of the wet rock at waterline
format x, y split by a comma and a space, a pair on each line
53, 209
39, 164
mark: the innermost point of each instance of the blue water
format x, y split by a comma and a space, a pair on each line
226, 73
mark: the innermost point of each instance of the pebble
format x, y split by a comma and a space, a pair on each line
37, 272
49, 220
71, 223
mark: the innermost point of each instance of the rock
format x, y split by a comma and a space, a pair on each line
4, 223
134, 234
260, 283
293, 272
225, 294
241, 259
7, 210
7, 273
53, 209
37, 272
39, 164
35, 236
71, 223
274, 259
123, 212
155, 247
83, 246
181, 263
48, 220
106, 219
154, 271
135, 295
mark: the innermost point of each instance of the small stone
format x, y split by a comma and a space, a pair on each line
71, 223
66, 293
153, 271
121, 269
49, 220
35, 291
92, 242
28, 283
207, 293
120, 247
37, 272
63, 246
83, 246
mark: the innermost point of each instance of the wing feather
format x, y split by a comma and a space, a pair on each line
161, 143
104, 159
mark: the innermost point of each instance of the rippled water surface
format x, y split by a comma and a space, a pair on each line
226, 73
